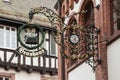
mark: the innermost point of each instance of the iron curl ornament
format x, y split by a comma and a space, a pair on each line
79, 41
55, 20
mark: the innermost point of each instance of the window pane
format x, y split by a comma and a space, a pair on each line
40, 38
8, 37
13, 38
52, 45
1, 36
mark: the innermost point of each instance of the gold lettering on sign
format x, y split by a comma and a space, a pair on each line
25, 52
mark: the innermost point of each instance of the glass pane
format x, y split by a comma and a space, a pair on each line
1, 36
40, 38
52, 45
13, 38
8, 37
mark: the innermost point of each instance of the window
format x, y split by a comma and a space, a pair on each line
52, 45
116, 15
49, 44
8, 37
89, 15
7, 76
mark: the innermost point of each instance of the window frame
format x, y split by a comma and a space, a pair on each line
11, 36
89, 15
8, 75
114, 18
55, 51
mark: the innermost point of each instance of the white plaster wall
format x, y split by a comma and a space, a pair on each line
23, 75
113, 52
82, 72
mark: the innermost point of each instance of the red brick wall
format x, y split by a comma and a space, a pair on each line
102, 21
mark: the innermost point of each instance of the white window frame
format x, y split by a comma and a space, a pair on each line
47, 44
4, 40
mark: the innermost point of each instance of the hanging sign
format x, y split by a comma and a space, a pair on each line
31, 38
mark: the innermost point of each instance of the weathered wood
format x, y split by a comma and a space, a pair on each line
24, 60
31, 61
55, 63
5, 56
49, 62
0, 60
19, 59
9, 61
39, 61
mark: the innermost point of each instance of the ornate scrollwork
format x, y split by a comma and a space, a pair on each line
85, 47
54, 19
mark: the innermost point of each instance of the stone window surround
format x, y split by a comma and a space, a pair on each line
11, 75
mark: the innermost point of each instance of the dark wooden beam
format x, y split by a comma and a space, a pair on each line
9, 61
5, 56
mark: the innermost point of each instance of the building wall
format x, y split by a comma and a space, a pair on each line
80, 72
28, 60
102, 19
17, 10
22, 75
113, 52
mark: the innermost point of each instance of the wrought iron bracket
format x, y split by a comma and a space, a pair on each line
86, 47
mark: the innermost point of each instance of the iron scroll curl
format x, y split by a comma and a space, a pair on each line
54, 19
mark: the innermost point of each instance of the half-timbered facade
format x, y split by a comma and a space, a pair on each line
15, 66
105, 14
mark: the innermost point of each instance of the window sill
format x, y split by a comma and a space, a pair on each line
114, 37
